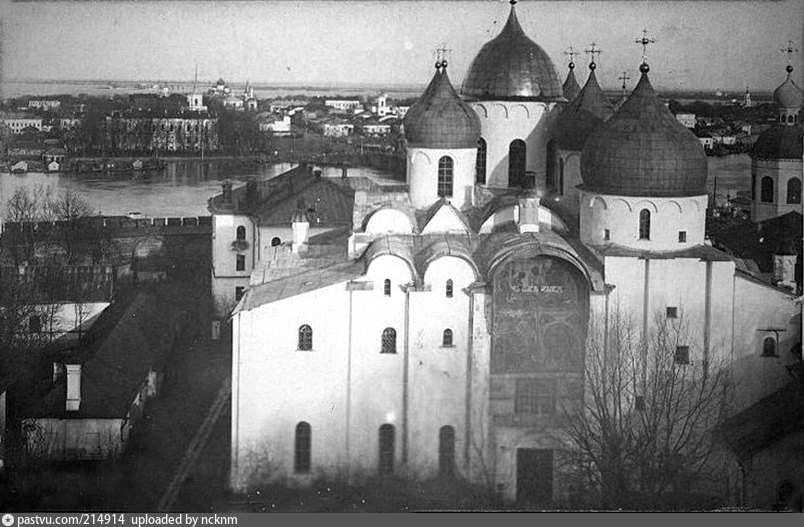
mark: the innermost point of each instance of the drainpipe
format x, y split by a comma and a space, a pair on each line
469, 352
406, 375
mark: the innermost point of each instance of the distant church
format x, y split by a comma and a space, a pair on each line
436, 327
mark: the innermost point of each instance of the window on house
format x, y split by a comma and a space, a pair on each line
682, 355
606, 234
276, 241
766, 190
672, 312
388, 341
446, 451
35, 324
449, 288
241, 233
386, 458
305, 338
446, 340
480, 165
445, 169
794, 191
240, 264
302, 450
517, 160
386, 287
644, 224
239, 292
769, 347
534, 396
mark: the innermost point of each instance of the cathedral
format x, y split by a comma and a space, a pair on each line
436, 327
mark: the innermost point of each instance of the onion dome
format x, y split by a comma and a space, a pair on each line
570, 87
512, 67
643, 151
440, 119
788, 95
583, 114
779, 142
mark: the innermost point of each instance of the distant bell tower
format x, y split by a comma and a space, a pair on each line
747, 98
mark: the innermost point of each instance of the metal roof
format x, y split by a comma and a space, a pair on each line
779, 142
571, 88
788, 95
588, 110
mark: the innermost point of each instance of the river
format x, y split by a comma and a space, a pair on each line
185, 186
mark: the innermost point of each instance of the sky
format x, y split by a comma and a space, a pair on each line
700, 44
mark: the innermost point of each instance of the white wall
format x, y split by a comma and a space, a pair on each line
781, 171
422, 175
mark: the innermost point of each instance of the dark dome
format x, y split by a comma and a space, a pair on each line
440, 119
643, 151
512, 67
571, 88
577, 120
788, 95
779, 142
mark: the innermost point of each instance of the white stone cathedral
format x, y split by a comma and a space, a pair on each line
435, 328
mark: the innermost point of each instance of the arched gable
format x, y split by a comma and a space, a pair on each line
421, 158
388, 220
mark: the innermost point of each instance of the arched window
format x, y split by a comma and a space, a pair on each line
241, 233
753, 184
480, 165
769, 347
550, 173
445, 165
386, 464
560, 188
388, 341
794, 191
446, 451
276, 241
386, 287
446, 340
766, 190
644, 224
517, 155
449, 288
305, 338
302, 450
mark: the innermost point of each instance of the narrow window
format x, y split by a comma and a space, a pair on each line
517, 156
682, 355
386, 464
753, 185
446, 341
302, 451
672, 312
606, 234
446, 451
644, 224
305, 338
239, 292
794, 191
445, 165
534, 396
550, 172
560, 189
769, 347
480, 166
35, 324
386, 287
241, 233
682, 236
766, 190
276, 241
240, 265
388, 341
449, 288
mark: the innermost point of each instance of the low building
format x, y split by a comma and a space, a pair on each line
344, 105
338, 129
17, 122
279, 126
375, 129
706, 140
44, 104
150, 132
687, 119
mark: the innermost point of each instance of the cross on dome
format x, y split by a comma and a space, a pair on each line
571, 53
593, 50
441, 56
644, 41
789, 50
624, 77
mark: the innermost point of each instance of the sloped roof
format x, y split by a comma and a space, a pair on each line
589, 109
779, 142
788, 95
571, 88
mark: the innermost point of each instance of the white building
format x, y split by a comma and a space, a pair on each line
344, 105
338, 129
19, 122
441, 331
687, 119
44, 104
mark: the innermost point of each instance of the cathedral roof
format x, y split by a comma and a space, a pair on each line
439, 118
643, 151
589, 109
571, 87
779, 142
512, 67
788, 95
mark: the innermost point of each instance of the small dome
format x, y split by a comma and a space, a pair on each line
590, 108
512, 67
571, 88
440, 119
788, 95
779, 142
643, 151
221, 82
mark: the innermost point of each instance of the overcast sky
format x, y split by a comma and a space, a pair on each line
700, 44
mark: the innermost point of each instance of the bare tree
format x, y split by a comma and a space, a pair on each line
645, 424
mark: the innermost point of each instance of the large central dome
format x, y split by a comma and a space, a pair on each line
512, 67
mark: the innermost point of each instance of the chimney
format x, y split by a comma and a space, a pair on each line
301, 228
784, 265
528, 214
73, 387
227, 192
